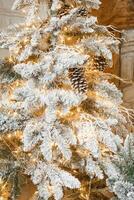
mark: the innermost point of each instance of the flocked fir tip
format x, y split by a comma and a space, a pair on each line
62, 122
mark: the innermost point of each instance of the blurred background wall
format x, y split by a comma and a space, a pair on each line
120, 13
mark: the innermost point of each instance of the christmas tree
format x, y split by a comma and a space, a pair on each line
62, 122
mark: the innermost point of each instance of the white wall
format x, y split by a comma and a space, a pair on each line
127, 66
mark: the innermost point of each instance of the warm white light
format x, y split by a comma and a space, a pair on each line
1, 182
9, 136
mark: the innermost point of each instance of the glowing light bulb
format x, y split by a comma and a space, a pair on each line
33, 26
24, 11
16, 151
1, 181
15, 133
26, 40
10, 59
34, 160
2, 198
16, 51
27, 28
9, 136
20, 136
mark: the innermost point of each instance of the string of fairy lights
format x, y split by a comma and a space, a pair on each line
80, 80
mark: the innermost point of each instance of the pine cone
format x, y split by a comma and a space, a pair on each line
82, 12
78, 80
100, 63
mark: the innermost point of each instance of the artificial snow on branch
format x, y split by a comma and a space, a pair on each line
120, 171
55, 94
